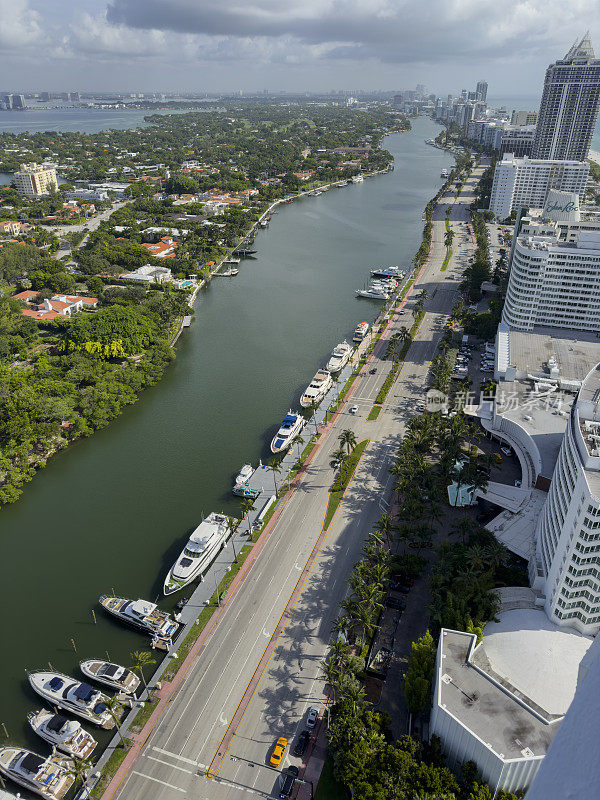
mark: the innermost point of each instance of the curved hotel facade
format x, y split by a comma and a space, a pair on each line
566, 568
554, 283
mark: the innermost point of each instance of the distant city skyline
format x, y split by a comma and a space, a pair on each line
169, 45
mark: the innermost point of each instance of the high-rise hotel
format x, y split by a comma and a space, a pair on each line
565, 127
569, 105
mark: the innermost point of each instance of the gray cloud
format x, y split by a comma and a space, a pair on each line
392, 31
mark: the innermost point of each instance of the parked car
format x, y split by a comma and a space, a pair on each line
400, 578
278, 751
506, 450
302, 743
313, 716
395, 602
287, 781
396, 586
518, 483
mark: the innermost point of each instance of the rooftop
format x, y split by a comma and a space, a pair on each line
539, 659
508, 727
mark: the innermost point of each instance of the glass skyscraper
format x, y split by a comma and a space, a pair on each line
569, 105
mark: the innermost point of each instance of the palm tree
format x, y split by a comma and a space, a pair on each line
113, 706
338, 459
423, 295
275, 466
313, 410
385, 527
247, 507
348, 440
331, 673
232, 525
79, 768
299, 441
141, 659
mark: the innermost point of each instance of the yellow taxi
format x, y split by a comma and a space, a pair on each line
278, 751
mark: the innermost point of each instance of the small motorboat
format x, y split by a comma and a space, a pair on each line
63, 733
113, 675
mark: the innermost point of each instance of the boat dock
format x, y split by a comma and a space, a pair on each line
187, 321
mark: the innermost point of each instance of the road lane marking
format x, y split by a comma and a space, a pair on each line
167, 764
157, 780
179, 758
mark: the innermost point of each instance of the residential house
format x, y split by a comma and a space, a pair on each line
164, 248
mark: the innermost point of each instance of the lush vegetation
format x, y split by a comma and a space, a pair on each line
344, 461
480, 269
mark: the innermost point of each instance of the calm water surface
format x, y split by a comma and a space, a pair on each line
114, 510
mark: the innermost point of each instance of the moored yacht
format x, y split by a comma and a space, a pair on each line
374, 293
113, 675
317, 389
360, 332
339, 357
48, 777
201, 550
357, 179
291, 426
79, 698
388, 272
65, 734
144, 616
244, 474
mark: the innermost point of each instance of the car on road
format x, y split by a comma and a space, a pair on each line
373, 371
313, 716
302, 743
518, 483
354, 409
278, 752
506, 450
287, 781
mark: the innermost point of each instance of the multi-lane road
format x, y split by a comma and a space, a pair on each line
260, 669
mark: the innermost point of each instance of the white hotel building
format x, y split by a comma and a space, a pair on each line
525, 182
566, 567
552, 282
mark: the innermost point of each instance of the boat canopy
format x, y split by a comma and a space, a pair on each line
32, 763
84, 692
56, 684
289, 420
109, 670
143, 607
57, 723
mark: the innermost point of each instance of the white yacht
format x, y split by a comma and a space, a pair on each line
65, 734
388, 272
201, 550
357, 179
79, 698
144, 616
113, 675
373, 293
47, 777
339, 357
361, 331
317, 389
246, 472
291, 426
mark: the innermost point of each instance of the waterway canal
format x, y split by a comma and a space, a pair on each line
114, 510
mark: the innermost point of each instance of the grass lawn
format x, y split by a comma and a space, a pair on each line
142, 717
110, 768
328, 788
446, 260
335, 496
374, 413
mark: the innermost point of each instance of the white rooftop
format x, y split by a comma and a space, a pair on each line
538, 658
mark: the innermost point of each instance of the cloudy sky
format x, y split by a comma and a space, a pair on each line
319, 45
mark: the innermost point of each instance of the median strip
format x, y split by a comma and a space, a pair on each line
342, 480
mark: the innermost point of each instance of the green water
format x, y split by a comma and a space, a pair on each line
114, 510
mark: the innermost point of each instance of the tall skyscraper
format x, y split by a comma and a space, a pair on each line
569, 105
481, 91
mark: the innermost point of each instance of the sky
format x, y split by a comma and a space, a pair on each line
296, 45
